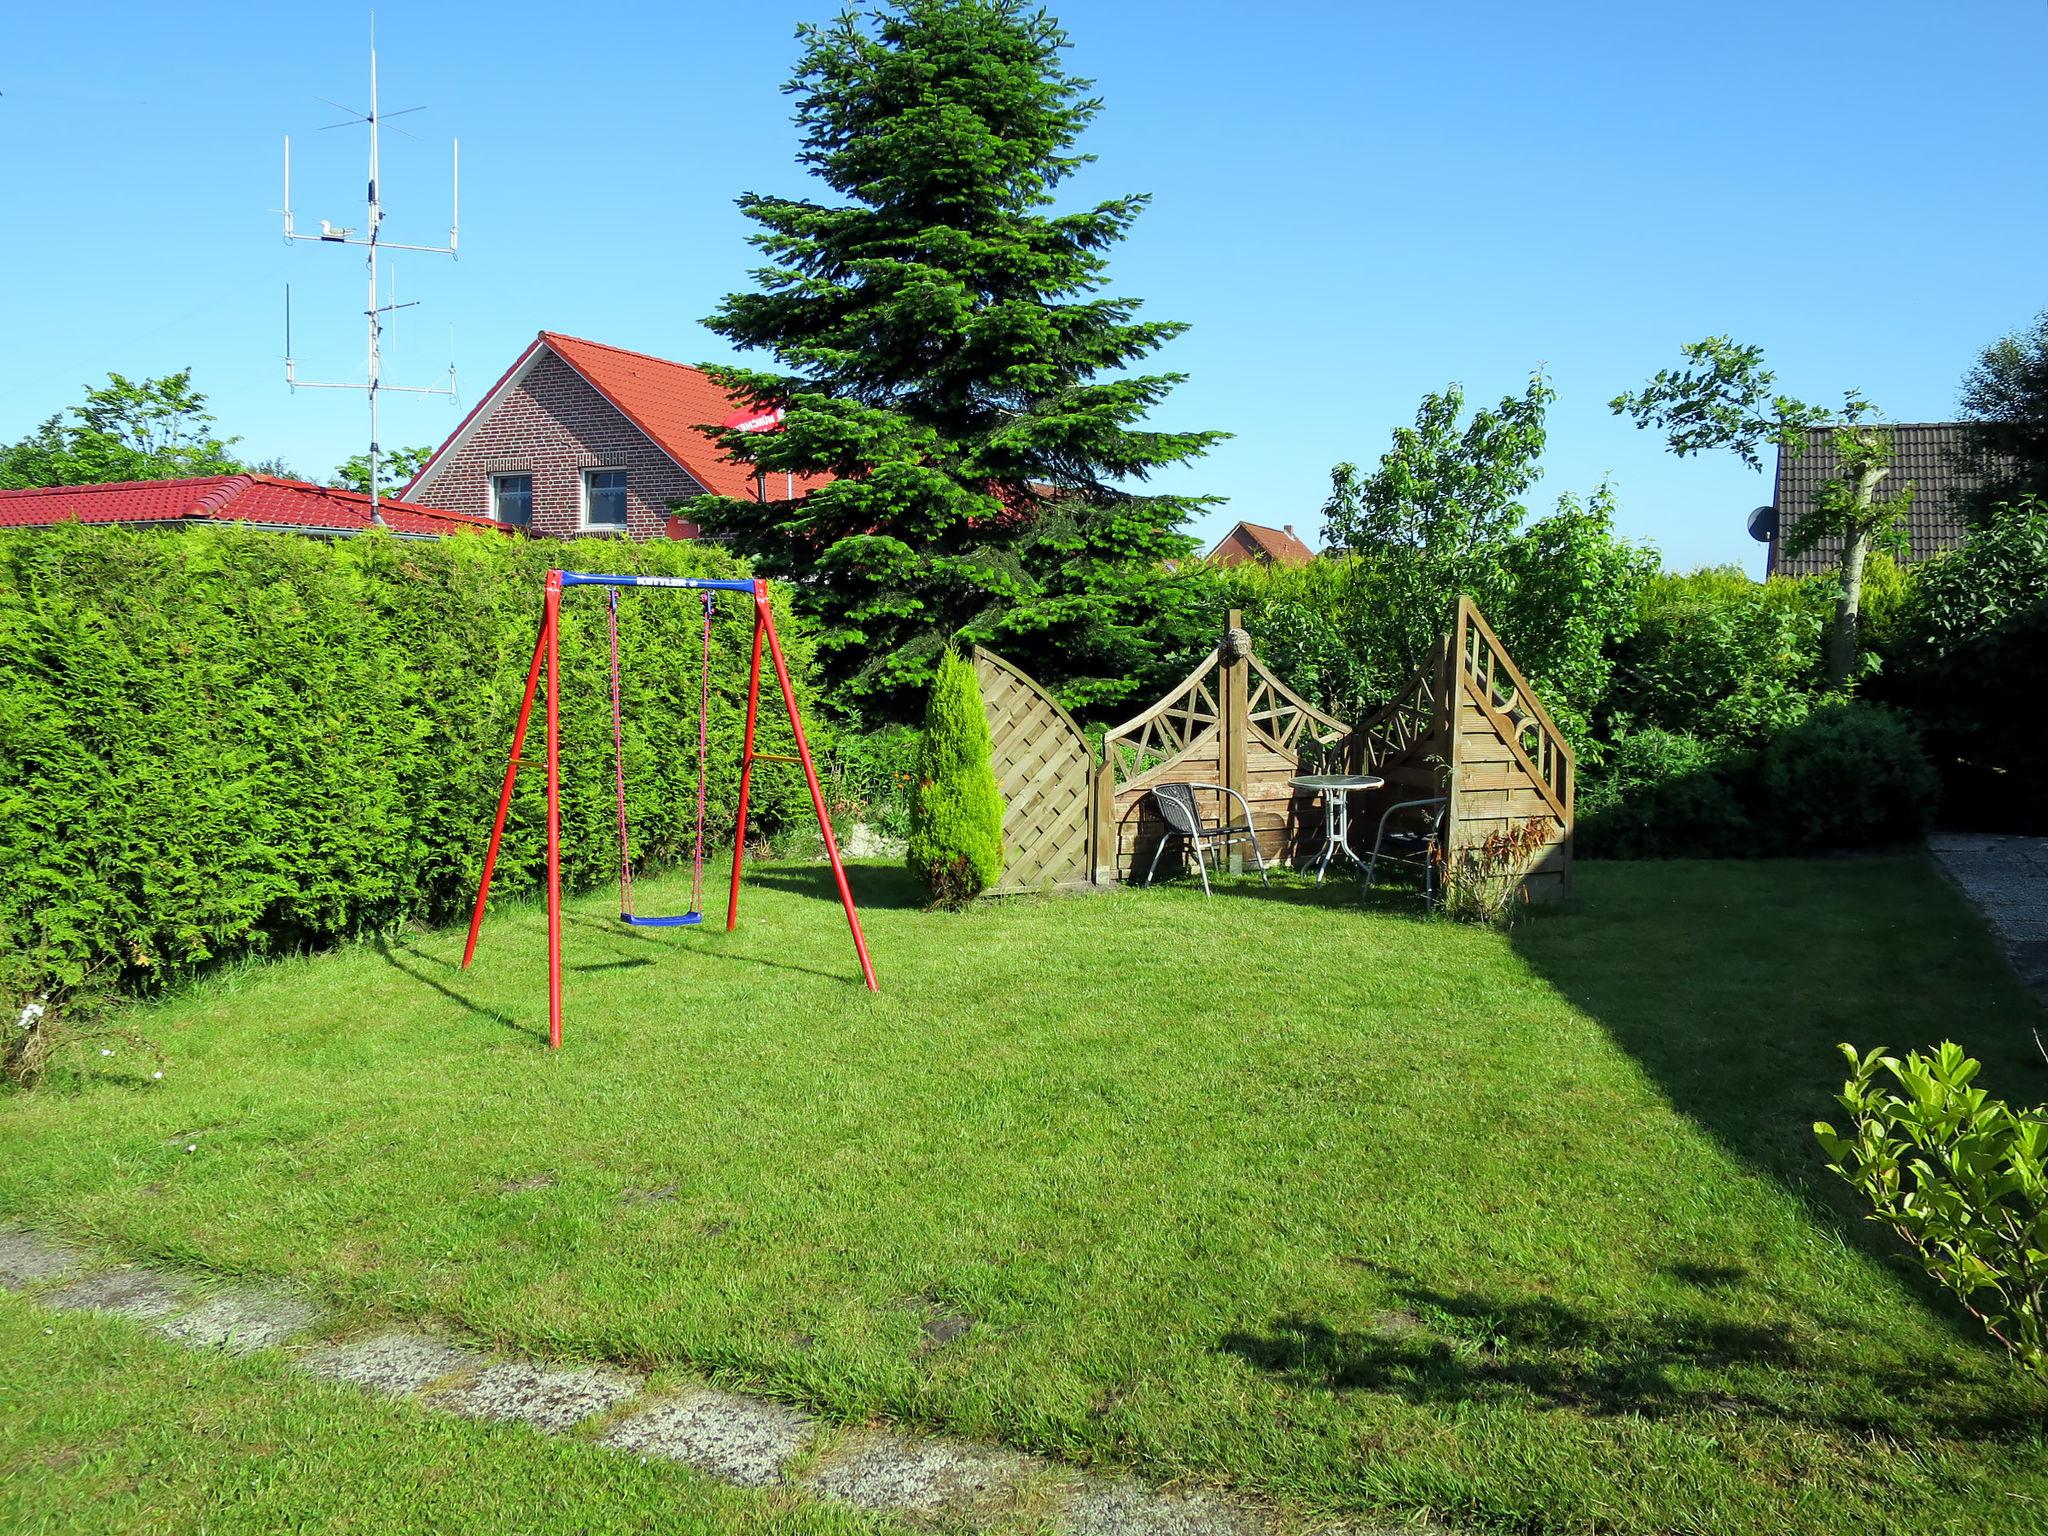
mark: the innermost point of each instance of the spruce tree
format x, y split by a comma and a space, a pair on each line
956, 807
943, 349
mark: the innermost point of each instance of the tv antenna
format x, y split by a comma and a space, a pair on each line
371, 237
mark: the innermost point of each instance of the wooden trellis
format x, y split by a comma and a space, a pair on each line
1045, 772
1468, 726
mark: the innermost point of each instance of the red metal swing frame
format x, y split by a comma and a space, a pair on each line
546, 664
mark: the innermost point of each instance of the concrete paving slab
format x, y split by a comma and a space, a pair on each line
882, 1471
397, 1364
132, 1292
1121, 1506
550, 1398
26, 1259
2007, 878
242, 1319
745, 1441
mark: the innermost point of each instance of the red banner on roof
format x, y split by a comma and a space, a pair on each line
754, 419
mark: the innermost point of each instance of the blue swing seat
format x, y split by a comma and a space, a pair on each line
687, 920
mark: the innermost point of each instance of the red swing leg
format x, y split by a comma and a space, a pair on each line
803, 751
483, 890
554, 727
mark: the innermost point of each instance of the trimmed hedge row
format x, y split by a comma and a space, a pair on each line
216, 741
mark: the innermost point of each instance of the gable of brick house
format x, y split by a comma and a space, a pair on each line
569, 407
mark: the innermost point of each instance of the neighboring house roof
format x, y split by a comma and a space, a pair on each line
666, 401
1253, 541
264, 500
1924, 455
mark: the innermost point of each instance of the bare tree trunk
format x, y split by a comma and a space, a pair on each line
1843, 636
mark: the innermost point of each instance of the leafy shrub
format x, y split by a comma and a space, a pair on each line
871, 778
1971, 647
219, 741
956, 810
1483, 884
1664, 795
1719, 656
1850, 774
1961, 1177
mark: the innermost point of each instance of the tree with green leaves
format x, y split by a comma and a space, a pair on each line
2005, 407
942, 348
956, 807
127, 429
395, 468
1724, 397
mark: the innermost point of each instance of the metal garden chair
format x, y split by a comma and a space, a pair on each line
1183, 817
1419, 844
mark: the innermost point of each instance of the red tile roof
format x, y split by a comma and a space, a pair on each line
264, 499
1254, 541
666, 401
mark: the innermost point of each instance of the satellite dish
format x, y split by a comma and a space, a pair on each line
1763, 524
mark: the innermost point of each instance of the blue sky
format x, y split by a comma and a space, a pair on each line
1352, 204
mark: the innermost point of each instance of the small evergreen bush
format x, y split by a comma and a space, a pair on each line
1850, 774
1664, 795
956, 810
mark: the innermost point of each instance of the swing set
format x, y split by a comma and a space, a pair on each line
546, 662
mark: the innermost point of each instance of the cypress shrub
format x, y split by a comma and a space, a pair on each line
217, 742
956, 810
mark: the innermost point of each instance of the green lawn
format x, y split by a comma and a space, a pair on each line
1362, 1211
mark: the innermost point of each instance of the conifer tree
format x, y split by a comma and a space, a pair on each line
956, 807
943, 349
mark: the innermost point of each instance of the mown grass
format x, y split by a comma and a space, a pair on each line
1363, 1211
106, 1431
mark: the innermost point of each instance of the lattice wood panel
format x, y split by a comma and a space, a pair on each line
1042, 766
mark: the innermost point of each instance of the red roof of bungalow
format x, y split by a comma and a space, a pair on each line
1254, 541
296, 506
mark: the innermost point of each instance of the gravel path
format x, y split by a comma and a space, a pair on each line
2007, 877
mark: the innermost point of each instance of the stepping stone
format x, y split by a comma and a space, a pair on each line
897, 1473
397, 1364
140, 1294
745, 1441
550, 1398
1125, 1507
242, 1320
26, 1259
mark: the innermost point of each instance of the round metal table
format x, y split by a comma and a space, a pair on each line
1336, 790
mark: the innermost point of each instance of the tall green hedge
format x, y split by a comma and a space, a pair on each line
217, 741
956, 807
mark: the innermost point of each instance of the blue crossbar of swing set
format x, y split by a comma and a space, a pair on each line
699, 583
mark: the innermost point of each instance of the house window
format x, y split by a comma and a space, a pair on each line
512, 500
604, 499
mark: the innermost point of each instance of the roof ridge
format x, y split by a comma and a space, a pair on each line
113, 485
605, 346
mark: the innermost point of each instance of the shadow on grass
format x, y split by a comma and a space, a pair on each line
1445, 1349
1731, 982
468, 1004
876, 886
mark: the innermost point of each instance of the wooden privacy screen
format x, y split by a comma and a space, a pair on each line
1468, 725
1044, 771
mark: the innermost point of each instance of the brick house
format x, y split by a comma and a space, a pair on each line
581, 438
1249, 542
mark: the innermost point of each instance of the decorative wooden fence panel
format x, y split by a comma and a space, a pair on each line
1044, 769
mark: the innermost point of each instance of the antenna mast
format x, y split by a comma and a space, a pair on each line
372, 239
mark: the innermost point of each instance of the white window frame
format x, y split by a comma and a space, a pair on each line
497, 515
583, 481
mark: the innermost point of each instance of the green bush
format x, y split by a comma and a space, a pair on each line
1961, 1177
956, 810
218, 741
1719, 656
1971, 648
871, 774
1664, 795
1850, 774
